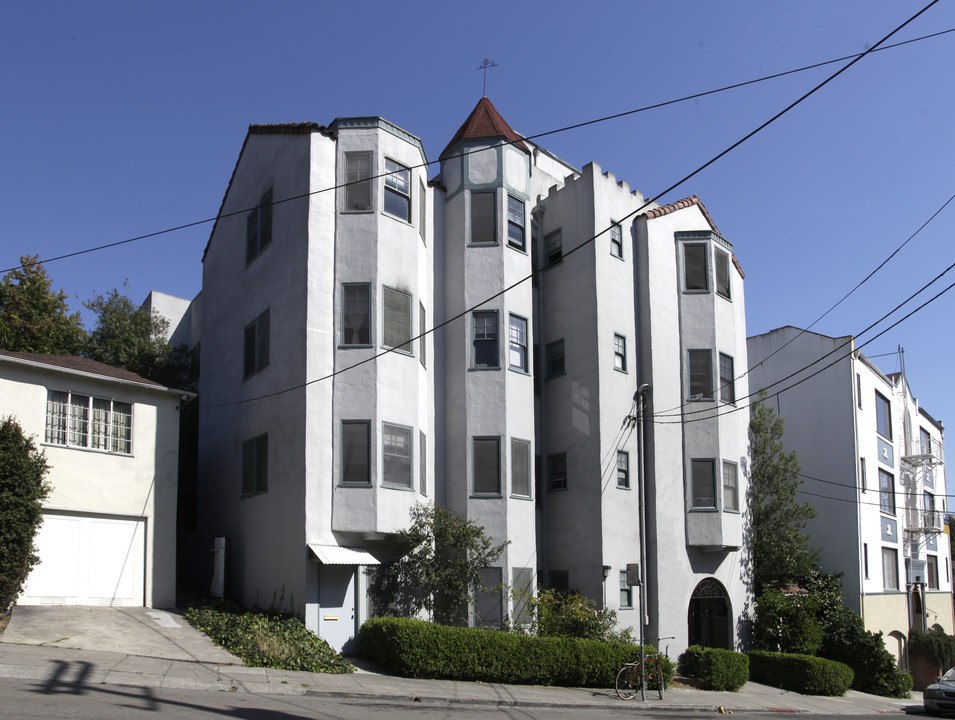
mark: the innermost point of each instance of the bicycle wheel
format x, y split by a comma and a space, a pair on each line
658, 677
627, 682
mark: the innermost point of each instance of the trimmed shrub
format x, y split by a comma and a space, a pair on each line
800, 673
414, 648
266, 638
717, 669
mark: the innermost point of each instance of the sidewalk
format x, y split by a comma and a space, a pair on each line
68, 648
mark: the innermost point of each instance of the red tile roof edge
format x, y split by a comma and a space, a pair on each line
81, 364
485, 122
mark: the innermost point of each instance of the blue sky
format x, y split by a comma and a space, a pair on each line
126, 118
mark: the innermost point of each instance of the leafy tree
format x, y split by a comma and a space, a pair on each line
33, 317
127, 336
22, 491
440, 571
788, 622
569, 614
780, 546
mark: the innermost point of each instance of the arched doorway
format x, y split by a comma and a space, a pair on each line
708, 617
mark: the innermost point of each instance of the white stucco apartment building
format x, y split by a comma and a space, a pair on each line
111, 439
333, 246
872, 462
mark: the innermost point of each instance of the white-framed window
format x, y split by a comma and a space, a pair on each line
623, 469
483, 218
883, 416
358, 181
925, 442
862, 473
554, 247
488, 600
423, 340
255, 465
890, 568
554, 354
515, 223
484, 339
616, 240
722, 274
396, 325
886, 492
422, 463
258, 228
356, 314
626, 592
356, 452
83, 421
727, 379
619, 353
397, 190
703, 484
522, 585
557, 471
695, 271
701, 375
520, 468
517, 343
486, 462
256, 345
931, 567
396, 455
730, 486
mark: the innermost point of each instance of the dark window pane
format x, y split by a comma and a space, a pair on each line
482, 218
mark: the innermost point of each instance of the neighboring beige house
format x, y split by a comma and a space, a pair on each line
111, 439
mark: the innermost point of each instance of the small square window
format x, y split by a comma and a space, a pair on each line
555, 358
695, 270
515, 223
485, 339
554, 248
623, 469
358, 182
616, 240
483, 218
397, 190
517, 339
620, 353
557, 471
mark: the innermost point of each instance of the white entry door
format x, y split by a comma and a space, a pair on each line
336, 606
88, 560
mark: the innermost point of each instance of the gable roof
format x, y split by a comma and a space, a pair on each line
79, 365
485, 122
682, 205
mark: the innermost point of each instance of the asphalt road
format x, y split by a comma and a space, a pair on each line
56, 698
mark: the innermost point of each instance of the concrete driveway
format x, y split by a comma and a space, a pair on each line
131, 630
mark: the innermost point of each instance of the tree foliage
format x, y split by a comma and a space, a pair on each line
440, 571
780, 546
22, 491
569, 614
128, 336
33, 317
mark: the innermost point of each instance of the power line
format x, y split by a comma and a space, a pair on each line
606, 118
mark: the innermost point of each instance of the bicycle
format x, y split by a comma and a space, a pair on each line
629, 680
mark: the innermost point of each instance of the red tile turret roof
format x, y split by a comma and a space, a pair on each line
485, 122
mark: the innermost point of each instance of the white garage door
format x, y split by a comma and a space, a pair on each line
87, 560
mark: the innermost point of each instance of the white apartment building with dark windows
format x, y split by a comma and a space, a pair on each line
872, 461
571, 301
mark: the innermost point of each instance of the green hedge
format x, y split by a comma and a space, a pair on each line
804, 674
716, 668
266, 638
413, 648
